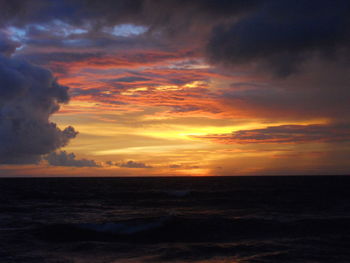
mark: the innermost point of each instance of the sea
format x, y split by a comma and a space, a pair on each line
247, 219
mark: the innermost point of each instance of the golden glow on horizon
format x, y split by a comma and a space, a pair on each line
148, 149
150, 112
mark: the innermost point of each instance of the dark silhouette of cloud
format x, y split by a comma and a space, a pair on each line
321, 91
133, 164
63, 158
286, 134
29, 95
7, 46
182, 166
153, 12
277, 35
281, 35
175, 166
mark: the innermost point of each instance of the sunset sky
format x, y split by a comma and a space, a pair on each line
174, 87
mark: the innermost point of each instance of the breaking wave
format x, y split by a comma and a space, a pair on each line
180, 229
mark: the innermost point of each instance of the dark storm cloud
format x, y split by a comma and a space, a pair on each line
7, 46
58, 61
90, 41
276, 34
283, 34
63, 158
286, 134
170, 14
29, 95
117, 9
37, 11
40, 58
321, 91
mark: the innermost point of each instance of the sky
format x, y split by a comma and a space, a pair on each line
174, 87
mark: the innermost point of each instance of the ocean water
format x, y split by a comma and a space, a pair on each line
186, 219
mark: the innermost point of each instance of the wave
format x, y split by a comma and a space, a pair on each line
178, 193
180, 229
123, 228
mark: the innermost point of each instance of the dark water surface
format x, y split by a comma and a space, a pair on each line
187, 219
